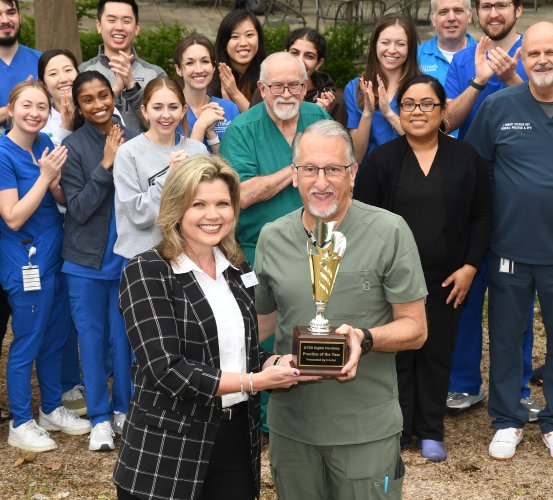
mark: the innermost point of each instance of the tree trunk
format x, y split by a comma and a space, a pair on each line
56, 26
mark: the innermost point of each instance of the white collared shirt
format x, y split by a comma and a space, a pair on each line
228, 317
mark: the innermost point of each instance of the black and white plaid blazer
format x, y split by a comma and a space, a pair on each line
174, 414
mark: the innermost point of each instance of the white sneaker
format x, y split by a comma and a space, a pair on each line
64, 420
74, 400
101, 437
118, 421
30, 437
548, 440
504, 443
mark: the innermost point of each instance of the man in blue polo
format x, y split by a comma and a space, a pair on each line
17, 62
513, 132
482, 69
450, 19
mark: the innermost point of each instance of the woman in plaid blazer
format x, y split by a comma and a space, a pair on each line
192, 431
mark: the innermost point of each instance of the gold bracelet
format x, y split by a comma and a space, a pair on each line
241, 385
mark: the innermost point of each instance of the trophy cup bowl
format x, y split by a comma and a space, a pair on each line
318, 350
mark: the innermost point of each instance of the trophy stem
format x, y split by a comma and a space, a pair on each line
319, 325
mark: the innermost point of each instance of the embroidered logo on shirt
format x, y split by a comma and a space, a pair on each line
516, 126
429, 68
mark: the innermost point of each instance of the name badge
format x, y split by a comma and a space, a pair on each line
506, 266
31, 278
249, 279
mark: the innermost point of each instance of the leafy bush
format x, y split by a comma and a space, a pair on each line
27, 34
347, 46
86, 8
275, 37
158, 45
89, 43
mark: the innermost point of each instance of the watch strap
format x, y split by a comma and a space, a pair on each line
476, 86
367, 343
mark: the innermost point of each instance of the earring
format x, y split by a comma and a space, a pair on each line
445, 125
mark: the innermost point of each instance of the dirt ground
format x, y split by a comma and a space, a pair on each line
72, 471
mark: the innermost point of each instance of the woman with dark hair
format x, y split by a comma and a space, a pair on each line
31, 232
310, 46
57, 68
370, 100
439, 185
193, 426
93, 271
207, 117
240, 49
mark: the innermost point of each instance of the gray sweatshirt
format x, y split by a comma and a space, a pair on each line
139, 174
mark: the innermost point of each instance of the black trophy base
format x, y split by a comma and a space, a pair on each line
323, 355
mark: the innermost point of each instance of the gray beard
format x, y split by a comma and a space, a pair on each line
331, 211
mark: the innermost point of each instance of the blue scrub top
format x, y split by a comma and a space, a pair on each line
231, 112
381, 130
23, 65
44, 228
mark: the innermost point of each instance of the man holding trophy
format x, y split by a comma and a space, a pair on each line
338, 438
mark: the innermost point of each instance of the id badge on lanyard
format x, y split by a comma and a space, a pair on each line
31, 274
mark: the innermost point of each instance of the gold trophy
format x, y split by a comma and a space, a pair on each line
318, 350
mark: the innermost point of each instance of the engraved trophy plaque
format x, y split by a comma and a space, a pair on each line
318, 350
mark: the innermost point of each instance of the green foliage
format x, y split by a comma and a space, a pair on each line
347, 46
86, 8
275, 37
27, 35
158, 45
89, 43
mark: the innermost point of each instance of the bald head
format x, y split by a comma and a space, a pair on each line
538, 31
272, 66
537, 57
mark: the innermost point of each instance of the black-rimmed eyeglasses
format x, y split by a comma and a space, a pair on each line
426, 107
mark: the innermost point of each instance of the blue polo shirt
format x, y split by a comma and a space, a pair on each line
381, 130
23, 64
44, 228
432, 60
461, 71
513, 133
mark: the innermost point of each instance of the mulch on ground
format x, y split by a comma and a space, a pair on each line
74, 472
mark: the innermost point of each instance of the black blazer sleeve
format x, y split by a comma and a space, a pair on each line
148, 305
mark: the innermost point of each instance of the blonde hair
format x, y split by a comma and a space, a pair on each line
19, 89
177, 195
28, 84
